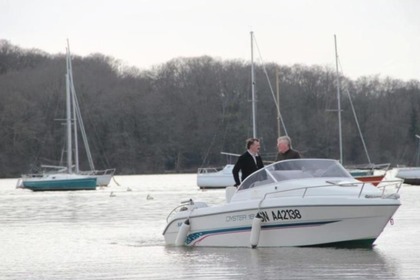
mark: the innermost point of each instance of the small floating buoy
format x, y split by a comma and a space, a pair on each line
129, 189
182, 233
255, 230
149, 197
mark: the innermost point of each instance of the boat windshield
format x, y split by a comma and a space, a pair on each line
295, 169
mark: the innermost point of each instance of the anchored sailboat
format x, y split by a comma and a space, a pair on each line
69, 177
210, 177
364, 172
103, 177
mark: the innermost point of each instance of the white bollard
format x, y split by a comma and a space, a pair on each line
255, 230
182, 233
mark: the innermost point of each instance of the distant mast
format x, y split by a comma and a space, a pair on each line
338, 102
73, 111
278, 102
254, 126
68, 124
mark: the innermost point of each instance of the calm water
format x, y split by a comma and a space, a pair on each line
92, 235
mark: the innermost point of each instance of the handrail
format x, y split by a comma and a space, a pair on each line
396, 183
205, 170
183, 204
109, 171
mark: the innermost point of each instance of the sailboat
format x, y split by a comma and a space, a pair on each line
216, 177
409, 174
210, 177
364, 173
69, 177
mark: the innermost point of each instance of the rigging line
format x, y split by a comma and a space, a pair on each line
215, 135
212, 142
271, 88
83, 131
355, 116
78, 116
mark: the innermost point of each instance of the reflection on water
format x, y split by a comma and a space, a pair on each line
92, 235
279, 263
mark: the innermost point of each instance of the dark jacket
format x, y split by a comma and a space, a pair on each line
289, 154
247, 166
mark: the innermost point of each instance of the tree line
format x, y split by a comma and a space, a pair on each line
180, 115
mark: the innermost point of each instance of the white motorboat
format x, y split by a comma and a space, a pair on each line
300, 202
212, 178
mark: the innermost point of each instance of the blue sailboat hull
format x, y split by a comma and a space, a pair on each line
74, 184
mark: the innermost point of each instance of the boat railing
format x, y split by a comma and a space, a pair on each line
110, 171
384, 185
187, 205
33, 175
370, 166
54, 170
205, 170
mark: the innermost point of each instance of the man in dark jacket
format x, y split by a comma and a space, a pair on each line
284, 146
248, 162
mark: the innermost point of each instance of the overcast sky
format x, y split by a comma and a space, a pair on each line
375, 37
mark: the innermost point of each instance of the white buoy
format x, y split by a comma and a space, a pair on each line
255, 230
182, 233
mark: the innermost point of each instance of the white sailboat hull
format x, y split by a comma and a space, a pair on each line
212, 178
410, 175
103, 177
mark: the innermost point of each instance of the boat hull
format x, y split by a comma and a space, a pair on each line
215, 181
60, 184
412, 181
103, 177
334, 223
210, 178
297, 202
373, 179
410, 175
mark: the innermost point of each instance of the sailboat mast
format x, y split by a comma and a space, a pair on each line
76, 145
254, 126
338, 102
73, 108
418, 150
278, 101
68, 125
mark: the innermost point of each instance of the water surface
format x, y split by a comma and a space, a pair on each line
116, 233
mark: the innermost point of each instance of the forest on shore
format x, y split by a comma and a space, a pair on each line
180, 115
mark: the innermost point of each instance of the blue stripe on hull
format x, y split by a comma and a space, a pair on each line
192, 238
62, 185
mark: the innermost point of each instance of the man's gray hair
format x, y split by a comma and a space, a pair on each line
286, 139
